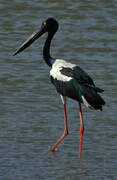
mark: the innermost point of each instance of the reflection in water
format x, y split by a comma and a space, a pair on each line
72, 169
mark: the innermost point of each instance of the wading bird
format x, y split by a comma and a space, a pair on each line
69, 79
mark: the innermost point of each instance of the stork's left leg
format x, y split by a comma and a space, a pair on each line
65, 133
81, 131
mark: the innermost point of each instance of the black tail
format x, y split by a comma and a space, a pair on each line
91, 98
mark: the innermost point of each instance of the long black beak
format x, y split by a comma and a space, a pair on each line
31, 39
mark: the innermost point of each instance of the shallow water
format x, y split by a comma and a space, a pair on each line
31, 113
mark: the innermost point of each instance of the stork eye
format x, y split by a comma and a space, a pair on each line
44, 23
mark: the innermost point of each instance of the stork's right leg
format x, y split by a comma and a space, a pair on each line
81, 131
65, 133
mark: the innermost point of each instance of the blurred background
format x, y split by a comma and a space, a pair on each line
31, 112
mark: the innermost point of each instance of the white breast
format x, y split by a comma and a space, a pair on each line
57, 66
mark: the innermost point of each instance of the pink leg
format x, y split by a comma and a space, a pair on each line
65, 130
81, 131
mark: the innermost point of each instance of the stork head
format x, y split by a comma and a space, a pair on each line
50, 26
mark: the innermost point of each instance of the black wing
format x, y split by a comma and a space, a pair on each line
77, 73
72, 88
81, 85
80, 76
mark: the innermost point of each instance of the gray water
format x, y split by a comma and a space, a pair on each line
31, 112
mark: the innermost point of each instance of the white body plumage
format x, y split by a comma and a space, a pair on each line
57, 67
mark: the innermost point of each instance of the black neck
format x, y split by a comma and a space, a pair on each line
46, 49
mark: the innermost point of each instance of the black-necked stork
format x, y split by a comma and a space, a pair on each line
69, 79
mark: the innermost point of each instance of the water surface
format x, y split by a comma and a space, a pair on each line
31, 113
